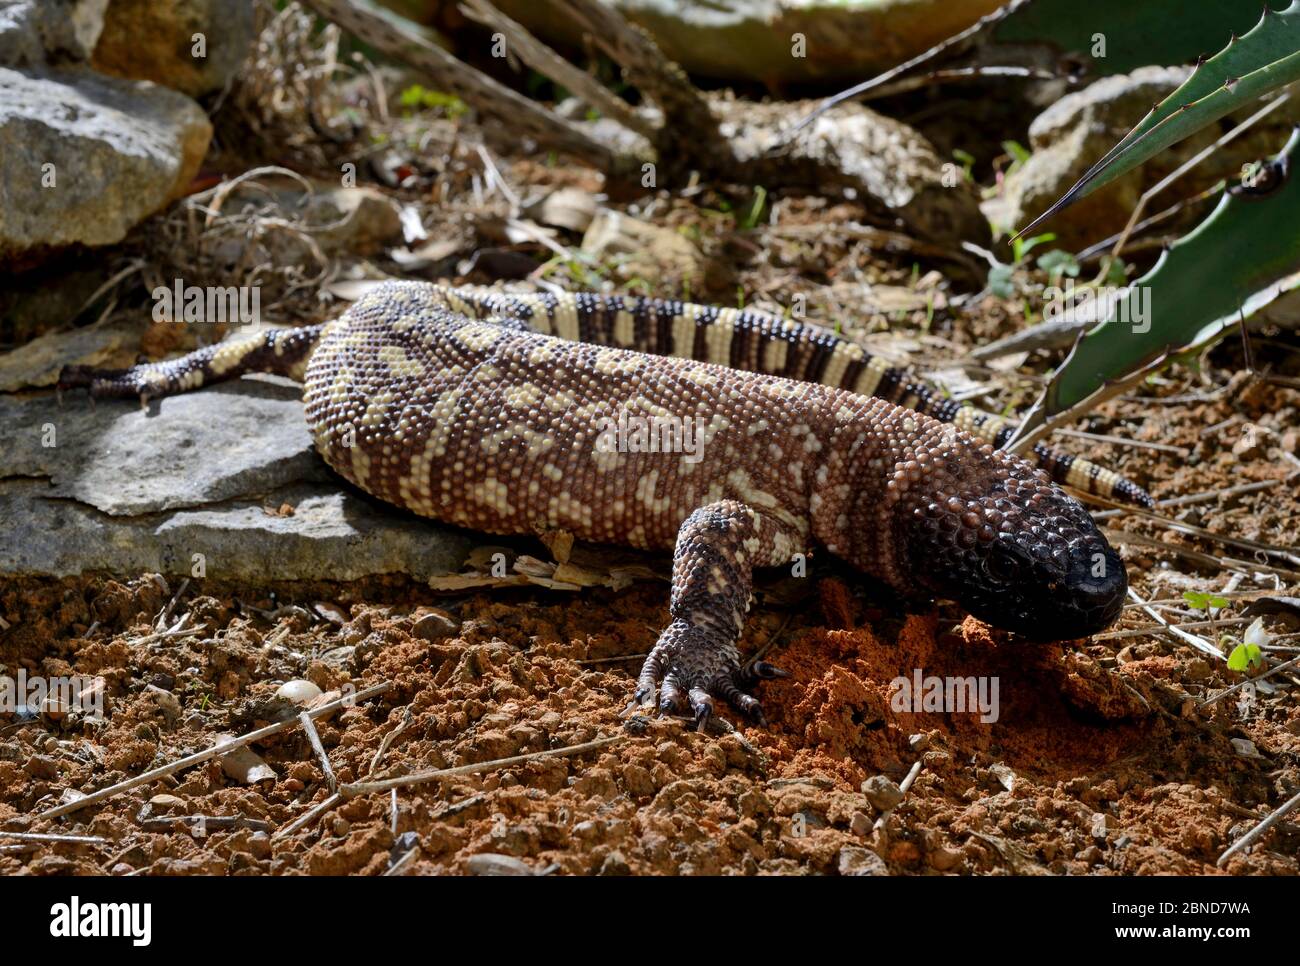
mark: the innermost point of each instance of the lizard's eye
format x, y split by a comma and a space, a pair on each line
1005, 563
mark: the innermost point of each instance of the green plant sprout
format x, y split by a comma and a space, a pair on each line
1058, 264
1019, 154
757, 209
967, 162
1245, 653
1248, 652
1020, 247
1000, 276
417, 97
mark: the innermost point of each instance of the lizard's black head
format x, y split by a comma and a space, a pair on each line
1014, 549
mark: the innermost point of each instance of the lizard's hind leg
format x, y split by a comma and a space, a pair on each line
282, 352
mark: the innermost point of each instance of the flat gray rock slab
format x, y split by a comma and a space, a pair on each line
126, 490
228, 441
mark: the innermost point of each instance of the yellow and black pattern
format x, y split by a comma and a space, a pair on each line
759, 342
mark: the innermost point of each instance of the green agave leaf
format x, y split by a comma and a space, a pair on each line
1263, 60
1201, 286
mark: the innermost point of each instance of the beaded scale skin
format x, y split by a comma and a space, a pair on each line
491, 425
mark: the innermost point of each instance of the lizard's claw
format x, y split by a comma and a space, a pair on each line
697, 667
79, 377
757, 671
701, 707
105, 383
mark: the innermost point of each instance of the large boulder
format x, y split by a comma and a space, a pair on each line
756, 39
34, 32
194, 46
84, 157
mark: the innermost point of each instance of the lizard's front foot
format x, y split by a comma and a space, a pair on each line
698, 664
105, 383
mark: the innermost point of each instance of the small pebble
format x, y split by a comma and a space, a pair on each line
945, 859
298, 691
1245, 748
435, 626
42, 766
615, 864
854, 860
1101, 823
1005, 776
490, 863
882, 792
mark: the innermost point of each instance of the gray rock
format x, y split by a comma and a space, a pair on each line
232, 440
855, 860
39, 362
116, 151
1076, 131
33, 32
882, 163
615, 864
754, 39
435, 627
128, 491
490, 863
154, 40
360, 221
331, 535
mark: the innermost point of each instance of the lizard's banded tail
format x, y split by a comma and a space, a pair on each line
282, 352
759, 342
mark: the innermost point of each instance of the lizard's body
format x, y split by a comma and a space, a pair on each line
496, 427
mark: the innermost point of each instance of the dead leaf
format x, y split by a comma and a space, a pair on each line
559, 542
570, 208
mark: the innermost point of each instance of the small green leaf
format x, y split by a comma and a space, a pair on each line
1243, 656
1020, 247
1018, 152
1000, 281
1196, 599
756, 209
1116, 272
1058, 263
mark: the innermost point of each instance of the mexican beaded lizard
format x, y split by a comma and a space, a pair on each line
446, 402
